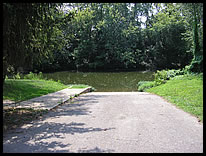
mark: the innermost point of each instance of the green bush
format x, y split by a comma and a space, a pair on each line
30, 76
186, 69
40, 75
34, 76
172, 73
141, 82
196, 65
143, 85
17, 76
160, 77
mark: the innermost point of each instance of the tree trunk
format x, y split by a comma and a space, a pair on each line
195, 35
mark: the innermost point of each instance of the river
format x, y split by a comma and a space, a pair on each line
103, 81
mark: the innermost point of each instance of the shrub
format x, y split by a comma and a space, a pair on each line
30, 76
196, 65
141, 82
40, 75
160, 77
172, 73
34, 76
143, 85
186, 69
17, 76
164, 75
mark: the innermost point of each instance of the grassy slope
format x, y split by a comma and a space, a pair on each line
186, 92
20, 90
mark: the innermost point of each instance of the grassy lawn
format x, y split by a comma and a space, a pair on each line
22, 89
184, 91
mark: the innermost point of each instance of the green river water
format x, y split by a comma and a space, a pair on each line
103, 81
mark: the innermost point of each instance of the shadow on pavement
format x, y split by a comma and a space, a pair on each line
95, 150
46, 136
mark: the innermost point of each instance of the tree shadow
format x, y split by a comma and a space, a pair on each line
77, 106
53, 136
41, 135
95, 150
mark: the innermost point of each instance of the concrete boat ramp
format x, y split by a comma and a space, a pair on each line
48, 101
107, 122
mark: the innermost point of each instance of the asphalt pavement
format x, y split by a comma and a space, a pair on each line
110, 122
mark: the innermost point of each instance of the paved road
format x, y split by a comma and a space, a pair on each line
110, 122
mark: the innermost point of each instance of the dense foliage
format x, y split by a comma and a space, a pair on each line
31, 33
102, 36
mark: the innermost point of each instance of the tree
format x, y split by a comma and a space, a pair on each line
193, 13
27, 34
164, 45
96, 36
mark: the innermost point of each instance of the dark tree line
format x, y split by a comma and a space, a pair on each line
102, 36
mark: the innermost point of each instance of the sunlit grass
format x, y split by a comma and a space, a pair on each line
21, 89
77, 86
184, 91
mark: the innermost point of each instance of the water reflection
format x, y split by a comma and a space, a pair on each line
103, 81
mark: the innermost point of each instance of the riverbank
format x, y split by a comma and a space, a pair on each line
185, 91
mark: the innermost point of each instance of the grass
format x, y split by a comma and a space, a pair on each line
143, 85
77, 86
186, 92
21, 89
